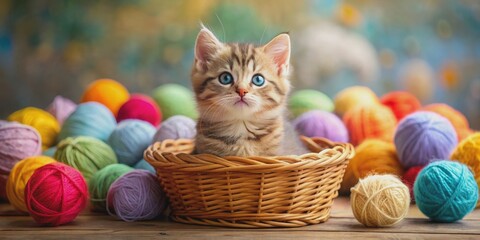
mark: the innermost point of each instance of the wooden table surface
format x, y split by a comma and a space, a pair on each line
341, 225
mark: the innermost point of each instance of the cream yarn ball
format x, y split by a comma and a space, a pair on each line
380, 200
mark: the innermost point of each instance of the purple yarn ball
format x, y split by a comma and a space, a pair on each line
324, 124
176, 127
17, 141
136, 196
61, 108
423, 137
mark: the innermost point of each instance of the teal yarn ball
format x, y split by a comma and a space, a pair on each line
130, 139
100, 183
142, 164
50, 152
174, 99
86, 154
308, 99
445, 191
89, 119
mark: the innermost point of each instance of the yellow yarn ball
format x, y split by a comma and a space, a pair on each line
46, 124
380, 200
372, 156
108, 92
352, 97
468, 153
19, 176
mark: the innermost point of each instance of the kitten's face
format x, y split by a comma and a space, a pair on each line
240, 81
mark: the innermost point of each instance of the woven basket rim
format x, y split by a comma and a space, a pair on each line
331, 154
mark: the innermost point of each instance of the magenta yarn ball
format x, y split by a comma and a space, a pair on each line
61, 108
140, 107
135, 196
324, 124
423, 137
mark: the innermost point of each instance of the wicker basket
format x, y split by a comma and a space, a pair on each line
253, 192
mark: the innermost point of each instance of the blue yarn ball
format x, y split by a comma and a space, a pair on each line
89, 119
446, 191
318, 123
142, 164
176, 127
50, 152
423, 137
130, 138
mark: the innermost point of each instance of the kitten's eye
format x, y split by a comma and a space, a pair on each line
258, 80
225, 78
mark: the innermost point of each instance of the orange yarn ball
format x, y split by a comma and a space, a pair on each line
458, 120
401, 103
352, 97
373, 156
370, 121
108, 92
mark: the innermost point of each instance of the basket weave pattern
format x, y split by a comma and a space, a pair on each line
250, 192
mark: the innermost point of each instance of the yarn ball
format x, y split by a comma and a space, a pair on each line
409, 179
130, 139
446, 191
305, 100
456, 118
50, 152
370, 121
372, 156
17, 141
136, 196
19, 176
44, 122
318, 123
100, 183
108, 92
422, 137
55, 194
176, 127
89, 119
86, 154
468, 153
140, 107
142, 164
401, 103
353, 96
61, 108
380, 200
174, 99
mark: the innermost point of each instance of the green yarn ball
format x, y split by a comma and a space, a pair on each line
305, 100
175, 99
100, 183
86, 154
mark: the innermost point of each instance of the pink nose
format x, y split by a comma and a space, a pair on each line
242, 92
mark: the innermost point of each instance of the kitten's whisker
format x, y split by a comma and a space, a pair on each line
223, 28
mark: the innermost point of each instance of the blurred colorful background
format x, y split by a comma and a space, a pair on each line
430, 48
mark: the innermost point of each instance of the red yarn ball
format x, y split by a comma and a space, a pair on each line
401, 103
409, 179
140, 107
55, 194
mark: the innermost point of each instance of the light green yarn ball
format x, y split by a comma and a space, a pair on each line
100, 183
86, 154
305, 100
175, 99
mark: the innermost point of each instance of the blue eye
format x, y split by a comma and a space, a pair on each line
225, 78
258, 80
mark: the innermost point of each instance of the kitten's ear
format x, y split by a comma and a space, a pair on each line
206, 45
279, 50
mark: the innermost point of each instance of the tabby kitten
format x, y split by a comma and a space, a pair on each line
241, 92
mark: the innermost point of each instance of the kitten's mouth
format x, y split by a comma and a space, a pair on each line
241, 102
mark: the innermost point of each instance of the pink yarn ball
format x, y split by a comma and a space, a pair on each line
17, 141
140, 107
61, 108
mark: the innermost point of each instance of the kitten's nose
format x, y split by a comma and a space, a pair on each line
242, 92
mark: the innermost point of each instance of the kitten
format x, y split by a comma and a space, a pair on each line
241, 92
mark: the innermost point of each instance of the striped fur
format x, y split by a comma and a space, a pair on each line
225, 127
